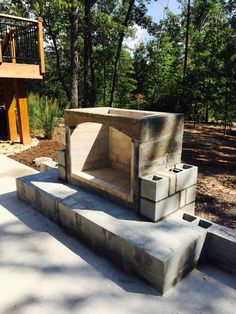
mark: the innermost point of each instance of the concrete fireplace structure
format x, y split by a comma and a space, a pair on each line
134, 158
109, 149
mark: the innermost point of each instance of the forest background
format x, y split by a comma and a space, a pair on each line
187, 64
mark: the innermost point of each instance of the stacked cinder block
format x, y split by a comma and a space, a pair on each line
61, 161
168, 190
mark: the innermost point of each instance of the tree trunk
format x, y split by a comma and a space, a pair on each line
118, 52
74, 62
86, 52
187, 38
226, 108
60, 76
104, 82
93, 94
153, 96
207, 113
195, 114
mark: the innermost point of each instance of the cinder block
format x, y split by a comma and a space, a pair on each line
172, 179
154, 187
185, 258
160, 253
30, 193
20, 188
182, 198
190, 194
158, 210
62, 173
67, 217
189, 208
39, 160
157, 149
221, 247
61, 157
47, 166
186, 176
48, 206
166, 126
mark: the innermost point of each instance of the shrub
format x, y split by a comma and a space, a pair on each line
139, 102
44, 114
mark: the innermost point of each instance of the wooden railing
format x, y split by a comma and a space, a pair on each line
21, 41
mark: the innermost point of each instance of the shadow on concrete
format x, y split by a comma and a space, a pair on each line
218, 274
38, 223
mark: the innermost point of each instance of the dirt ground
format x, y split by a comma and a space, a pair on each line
215, 156
203, 146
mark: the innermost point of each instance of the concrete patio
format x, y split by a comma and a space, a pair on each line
43, 270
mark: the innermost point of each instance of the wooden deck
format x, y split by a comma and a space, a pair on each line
21, 71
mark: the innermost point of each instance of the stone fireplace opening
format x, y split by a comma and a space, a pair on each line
101, 156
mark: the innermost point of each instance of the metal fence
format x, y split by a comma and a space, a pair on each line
18, 40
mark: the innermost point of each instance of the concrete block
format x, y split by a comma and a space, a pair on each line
189, 208
191, 194
62, 173
61, 157
155, 211
171, 125
39, 160
20, 188
157, 149
161, 254
154, 187
221, 247
186, 176
182, 198
189, 218
184, 259
30, 193
48, 165
172, 179
67, 217
48, 206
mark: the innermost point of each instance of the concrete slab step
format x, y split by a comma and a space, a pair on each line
159, 253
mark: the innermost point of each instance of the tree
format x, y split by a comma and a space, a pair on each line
117, 58
74, 55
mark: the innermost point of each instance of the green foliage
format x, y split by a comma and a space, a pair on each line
152, 76
139, 102
44, 114
207, 91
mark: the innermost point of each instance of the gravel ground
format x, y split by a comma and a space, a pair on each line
8, 148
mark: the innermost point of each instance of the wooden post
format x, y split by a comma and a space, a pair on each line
8, 99
21, 101
12, 46
0, 51
40, 46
